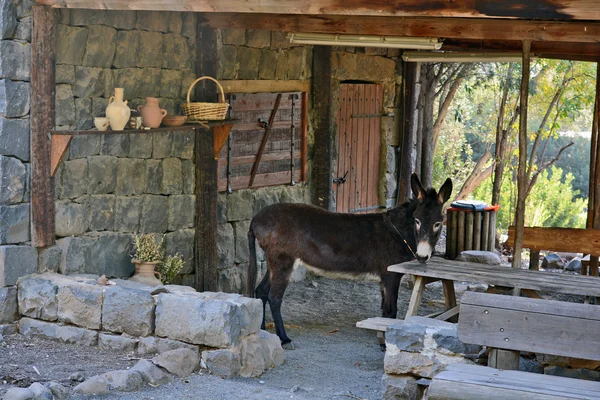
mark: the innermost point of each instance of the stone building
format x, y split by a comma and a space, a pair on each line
109, 187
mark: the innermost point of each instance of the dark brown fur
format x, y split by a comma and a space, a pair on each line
346, 243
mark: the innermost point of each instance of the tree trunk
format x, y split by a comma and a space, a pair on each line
477, 176
427, 144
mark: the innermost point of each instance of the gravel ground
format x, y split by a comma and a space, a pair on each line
333, 359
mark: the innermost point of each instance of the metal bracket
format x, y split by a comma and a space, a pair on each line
341, 179
263, 123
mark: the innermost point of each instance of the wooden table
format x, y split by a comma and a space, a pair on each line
528, 281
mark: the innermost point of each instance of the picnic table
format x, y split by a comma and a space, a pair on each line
529, 281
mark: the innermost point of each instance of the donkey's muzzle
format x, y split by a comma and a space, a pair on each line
423, 260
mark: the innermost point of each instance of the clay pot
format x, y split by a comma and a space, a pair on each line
118, 111
145, 273
152, 114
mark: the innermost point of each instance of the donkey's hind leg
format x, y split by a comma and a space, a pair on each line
262, 292
281, 267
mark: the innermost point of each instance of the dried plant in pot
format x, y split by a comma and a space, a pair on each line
148, 254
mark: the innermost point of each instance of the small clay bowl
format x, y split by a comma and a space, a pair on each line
174, 120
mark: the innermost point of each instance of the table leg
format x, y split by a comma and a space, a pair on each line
416, 296
449, 297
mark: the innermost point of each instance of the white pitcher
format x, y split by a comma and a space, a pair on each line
118, 111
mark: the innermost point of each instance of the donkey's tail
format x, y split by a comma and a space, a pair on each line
251, 280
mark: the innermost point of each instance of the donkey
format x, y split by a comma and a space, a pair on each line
348, 243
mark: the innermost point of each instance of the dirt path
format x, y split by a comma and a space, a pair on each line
333, 359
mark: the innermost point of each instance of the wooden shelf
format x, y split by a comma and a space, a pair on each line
62, 139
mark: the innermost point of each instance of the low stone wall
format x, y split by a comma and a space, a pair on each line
135, 317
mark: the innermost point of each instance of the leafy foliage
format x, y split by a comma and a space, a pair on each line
147, 249
170, 268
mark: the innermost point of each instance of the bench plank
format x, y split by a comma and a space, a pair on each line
515, 323
576, 240
473, 382
503, 276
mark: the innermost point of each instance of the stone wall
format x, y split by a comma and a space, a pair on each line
112, 186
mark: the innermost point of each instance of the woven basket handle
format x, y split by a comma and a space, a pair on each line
206, 77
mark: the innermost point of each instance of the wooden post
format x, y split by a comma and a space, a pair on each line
449, 238
206, 212
504, 359
449, 297
485, 230
477, 230
593, 220
206, 63
43, 87
523, 179
534, 260
469, 231
322, 110
491, 245
454, 244
408, 128
460, 233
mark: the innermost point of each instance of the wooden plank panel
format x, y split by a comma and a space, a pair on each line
370, 195
494, 275
460, 233
304, 130
351, 94
458, 28
265, 86
360, 146
469, 231
364, 148
260, 180
250, 159
559, 239
485, 234
341, 158
264, 101
43, 87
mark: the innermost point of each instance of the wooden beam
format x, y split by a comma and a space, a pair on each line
322, 112
523, 176
457, 28
43, 86
206, 63
531, 9
268, 86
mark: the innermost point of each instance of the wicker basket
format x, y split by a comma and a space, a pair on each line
199, 111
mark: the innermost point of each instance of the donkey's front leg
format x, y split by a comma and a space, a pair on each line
390, 282
281, 269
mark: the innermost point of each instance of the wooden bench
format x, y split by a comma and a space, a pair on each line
572, 240
508, 325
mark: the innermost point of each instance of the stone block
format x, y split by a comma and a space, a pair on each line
71, 218
75, 254
281, 65
16, 60
482, 257
183, 145
129, 211
24, 28
258, 38
100, 212
14, 98
37, 297
12, 180
268, 64
223, 362
231, 280
225, 246
175, 22
188, 25
151, 374
74, 178
65, 106
8, 19
189, 176
85, 145
188, 77
139, 82
391, 184
9, 309
124, 20
400, 388
180, 362
241, 241
228, 67
264, 197
99, 104
154, 214
234, 36
131, 176
222, 207
178, 49
65, 334
15, 262
566, 362
163, 144
154, 21
154, 176
88, 82
294, 194
259, 352
248, 59
82, 17
24, 8
14, 224
125, 54
49, 259
109, 255
239, 205
116, 342
14, 137
140, 146
279, 40
8, 329
296, 61
172, 176
149, 51
585, 374
100, 47
154, 345
115, 145
80, 304
70, 44
128, 311
182, 242
83, 114
184, 318
110, 382
102, 174
181, 212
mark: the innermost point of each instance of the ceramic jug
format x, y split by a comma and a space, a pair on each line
118, 111
152, 114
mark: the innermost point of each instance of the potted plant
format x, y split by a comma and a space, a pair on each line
150, 256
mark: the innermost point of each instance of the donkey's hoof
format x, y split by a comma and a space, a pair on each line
382, 347
288, 346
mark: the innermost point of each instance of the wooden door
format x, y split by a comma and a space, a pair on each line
359, 146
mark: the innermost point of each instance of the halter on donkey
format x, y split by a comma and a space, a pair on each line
347, 243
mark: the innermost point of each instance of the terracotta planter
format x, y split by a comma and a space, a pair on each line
145, 273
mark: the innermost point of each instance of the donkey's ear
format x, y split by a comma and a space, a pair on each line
445, 192
416, 187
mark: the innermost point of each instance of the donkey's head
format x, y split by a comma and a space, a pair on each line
428, 215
